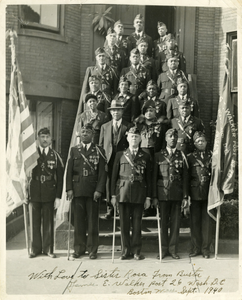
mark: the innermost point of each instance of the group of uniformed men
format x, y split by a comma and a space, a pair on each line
142, 145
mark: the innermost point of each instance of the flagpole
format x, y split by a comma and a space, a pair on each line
26, 227
217, 232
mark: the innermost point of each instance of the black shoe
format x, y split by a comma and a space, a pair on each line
195, 253
175, 256
206, 256
32, 255
76, 254
92, 255
139, 256
163, 255
51, 255
126, 256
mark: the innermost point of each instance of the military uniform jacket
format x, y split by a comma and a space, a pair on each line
138, 77
161, 60
159, 46
97, 119
186, 131
149, 64
170, 176
109, 78
105, 140
133, 39
85, 176
131, 106
167, 83
173, 107
47, 178
131, 178
115, 58
200, 174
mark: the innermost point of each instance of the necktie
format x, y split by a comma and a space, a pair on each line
133, 154
85, 149
43, 153
115, 125
202, 155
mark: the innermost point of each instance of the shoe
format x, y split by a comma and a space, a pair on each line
163, 255
175, 256
125, 256
51, 255
92, 255
32, 255
139, 256
206, 256
76, 254
195, 253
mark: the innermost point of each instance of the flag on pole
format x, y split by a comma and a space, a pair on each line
22, 154
225, 147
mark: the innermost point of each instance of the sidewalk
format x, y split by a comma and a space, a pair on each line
43, 275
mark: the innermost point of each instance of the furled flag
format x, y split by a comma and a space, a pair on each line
225, 147
21, 155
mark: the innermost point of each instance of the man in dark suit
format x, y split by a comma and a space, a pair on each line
131, 191
186, 125
170, 190
139, 33
167, 81
45, 193
85, 182
136, 73
200, 174
113, 139
108, 76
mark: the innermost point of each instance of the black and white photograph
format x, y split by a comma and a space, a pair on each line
120, 128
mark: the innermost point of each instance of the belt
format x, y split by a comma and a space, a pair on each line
132, 177
171, 177
43, 178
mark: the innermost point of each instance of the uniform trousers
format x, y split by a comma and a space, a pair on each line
131, 212
201, 234
37, 212
108, 182
86, 219
170, 210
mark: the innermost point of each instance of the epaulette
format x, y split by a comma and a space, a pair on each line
100, 152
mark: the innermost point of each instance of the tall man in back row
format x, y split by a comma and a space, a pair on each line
45, 193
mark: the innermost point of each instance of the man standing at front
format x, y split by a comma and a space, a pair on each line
131, 192
45, 194
85, 182
170, 190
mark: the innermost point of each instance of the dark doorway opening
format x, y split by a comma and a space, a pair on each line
153, 14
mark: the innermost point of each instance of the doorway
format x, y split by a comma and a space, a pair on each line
153, 14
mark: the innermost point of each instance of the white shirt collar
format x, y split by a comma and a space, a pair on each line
170, 150
102, 66
87, 145
140, 33
117, 122
46, 149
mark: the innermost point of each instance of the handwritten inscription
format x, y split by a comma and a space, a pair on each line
134, 282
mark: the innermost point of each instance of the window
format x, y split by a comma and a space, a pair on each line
41, 17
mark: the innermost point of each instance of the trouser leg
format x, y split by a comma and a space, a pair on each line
195, 217
124, 215
93, 225
35, 227
136, 243
48, 226
175, 226
164, 214
206, 229
80, 224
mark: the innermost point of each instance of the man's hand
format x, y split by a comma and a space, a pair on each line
113, 201
147, 203
155, 203
26, 201
57, 203
96, 196
69, 195
184, 204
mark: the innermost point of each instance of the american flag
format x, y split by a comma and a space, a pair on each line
22, 152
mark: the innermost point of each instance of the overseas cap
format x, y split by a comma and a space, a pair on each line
141, 41
135, 51
198, 134
93, 78
44, 130
139, 17
186, 102
90, 96
99, 50
172, 55
159, 24
117, 23
134, 130
87, 126
124, 79
181, 80
111, 31
172, 131
151, 82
